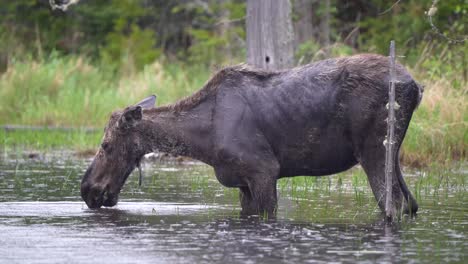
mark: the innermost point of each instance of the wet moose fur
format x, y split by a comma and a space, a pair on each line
255, 127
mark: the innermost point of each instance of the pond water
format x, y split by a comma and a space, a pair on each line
181, 214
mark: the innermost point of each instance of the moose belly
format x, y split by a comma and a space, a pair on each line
317, 159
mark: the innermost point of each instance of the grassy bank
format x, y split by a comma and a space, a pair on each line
71, 91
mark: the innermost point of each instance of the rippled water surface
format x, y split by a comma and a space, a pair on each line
181, 214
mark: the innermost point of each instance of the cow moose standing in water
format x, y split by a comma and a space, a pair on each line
255, 127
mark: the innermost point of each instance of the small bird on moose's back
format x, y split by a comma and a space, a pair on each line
255, 127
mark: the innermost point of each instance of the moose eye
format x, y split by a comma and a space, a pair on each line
105, 146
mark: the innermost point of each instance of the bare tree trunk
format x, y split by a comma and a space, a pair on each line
270, 34
38, 41
326, 29
222, 30
304, 25
3, 62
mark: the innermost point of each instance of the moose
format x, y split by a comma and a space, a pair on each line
255, 127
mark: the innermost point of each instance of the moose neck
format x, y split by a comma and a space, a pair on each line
185, 133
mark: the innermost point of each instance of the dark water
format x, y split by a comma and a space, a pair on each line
183, 215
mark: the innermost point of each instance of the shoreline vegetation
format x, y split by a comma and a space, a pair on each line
73, 68
72, 92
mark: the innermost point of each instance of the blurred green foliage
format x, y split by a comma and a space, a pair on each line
136, 48
124, 31
408, 24
213, 32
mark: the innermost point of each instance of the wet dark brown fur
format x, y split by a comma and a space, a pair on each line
211, 87
255, 127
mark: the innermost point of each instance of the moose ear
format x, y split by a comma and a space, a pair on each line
130, 117
148, 102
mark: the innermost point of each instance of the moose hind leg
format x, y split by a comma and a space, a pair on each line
412, 205
373, 162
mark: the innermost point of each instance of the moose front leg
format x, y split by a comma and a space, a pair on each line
259, 197
243, 155
248, 205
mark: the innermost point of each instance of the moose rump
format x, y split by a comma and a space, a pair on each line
314, 120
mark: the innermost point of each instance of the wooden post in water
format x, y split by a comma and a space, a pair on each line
389, 143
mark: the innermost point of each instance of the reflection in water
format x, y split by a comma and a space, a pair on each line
182, 215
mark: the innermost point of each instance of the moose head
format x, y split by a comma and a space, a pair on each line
120, 153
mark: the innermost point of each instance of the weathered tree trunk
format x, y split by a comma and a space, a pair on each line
222, 30
270, 34
3, 62
326, 28
304, 29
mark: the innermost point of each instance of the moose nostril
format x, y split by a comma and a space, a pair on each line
93, 195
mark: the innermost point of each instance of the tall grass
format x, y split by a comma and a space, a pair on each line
78, 140
439, 128
72, 91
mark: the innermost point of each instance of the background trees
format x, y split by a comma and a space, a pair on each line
209, 31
